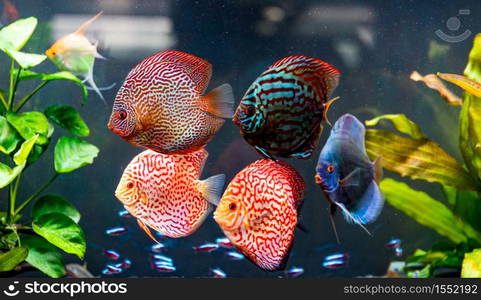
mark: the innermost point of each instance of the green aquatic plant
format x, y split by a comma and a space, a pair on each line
411, 154
24, 138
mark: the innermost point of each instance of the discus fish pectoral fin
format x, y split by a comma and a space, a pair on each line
212, 188
377, 165
220, 101
352, 179
147, 230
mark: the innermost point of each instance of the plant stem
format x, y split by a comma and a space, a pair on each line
13, 188
13, 84
35, 195
26, 98
4, 102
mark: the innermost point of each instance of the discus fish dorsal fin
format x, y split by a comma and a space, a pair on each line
147, 230
327, 105
220, 101
377, 165
212, 188
198, 69
82, 27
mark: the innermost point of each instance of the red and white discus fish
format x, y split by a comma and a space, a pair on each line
258, 211
160, 104
164, 192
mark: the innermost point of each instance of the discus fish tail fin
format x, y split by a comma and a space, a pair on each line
220, 101
377, 165
212, 188
82, 27
147, 230
327, 105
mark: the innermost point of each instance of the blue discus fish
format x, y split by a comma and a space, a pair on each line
348, 179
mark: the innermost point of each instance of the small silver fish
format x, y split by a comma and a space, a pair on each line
218, 273
294, 272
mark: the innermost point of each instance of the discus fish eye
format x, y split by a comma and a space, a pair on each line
232, 206
130, 185
330, 169
121, 115
250, 110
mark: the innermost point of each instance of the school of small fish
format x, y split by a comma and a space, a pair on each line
162, 107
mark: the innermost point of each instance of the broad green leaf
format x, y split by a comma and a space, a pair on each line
467, 209
68, 118
36, 153
10, 259
401, 123
9, 137
72, 153
55, 203
470, 116
28, 124
417, 158
64, 75
16, 35
44, 256
422, 208
62, 232
26, 60
472, 265
7, 174
22, 154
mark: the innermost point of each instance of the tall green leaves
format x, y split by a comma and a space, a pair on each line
422, 208
24, 137
416, 157
470, 117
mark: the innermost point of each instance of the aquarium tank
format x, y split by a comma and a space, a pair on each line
294, 139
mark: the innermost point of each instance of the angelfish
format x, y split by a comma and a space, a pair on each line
347, 177
76, 54
164, 192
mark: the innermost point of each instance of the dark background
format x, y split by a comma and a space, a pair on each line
240, 39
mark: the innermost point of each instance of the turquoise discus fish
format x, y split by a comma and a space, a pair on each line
282, 110
346, 175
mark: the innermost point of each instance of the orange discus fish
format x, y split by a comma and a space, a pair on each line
160, 104
164, 192
258, 211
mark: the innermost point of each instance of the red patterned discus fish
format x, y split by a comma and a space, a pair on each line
160, 104
258, 211
164, 192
